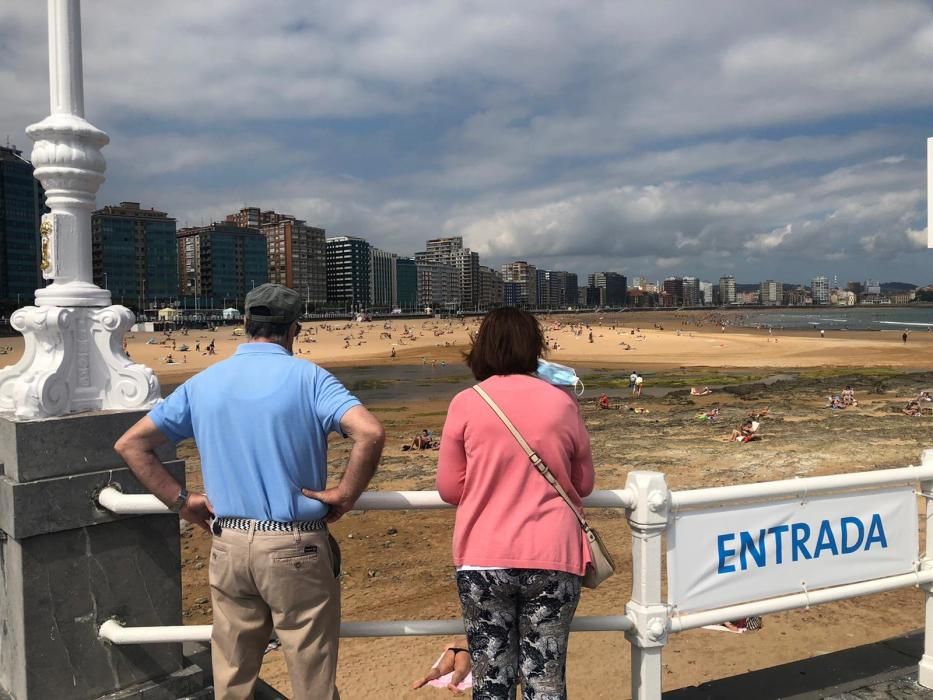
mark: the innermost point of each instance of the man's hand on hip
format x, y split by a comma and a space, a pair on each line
197, 511
339, 501
368, 438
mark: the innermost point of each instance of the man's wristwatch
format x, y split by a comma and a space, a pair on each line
179, 502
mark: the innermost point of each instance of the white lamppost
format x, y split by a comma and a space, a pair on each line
73, 359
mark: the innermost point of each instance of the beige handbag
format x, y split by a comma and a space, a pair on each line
601, 565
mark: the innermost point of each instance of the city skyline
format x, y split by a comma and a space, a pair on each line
777, 141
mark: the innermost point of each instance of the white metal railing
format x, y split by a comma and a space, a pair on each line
116, 633
114, 500
648, 620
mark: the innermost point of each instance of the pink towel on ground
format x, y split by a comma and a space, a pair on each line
723, 628
442, 682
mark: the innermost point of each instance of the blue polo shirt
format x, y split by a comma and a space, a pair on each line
261, 420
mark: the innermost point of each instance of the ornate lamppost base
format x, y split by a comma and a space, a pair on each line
74, 361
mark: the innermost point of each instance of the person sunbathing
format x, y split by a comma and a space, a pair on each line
912, 408
745, 624
422, 441
455, 660
633, 409
745, 432
709, 415
700, 392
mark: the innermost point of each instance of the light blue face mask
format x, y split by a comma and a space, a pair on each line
559, 375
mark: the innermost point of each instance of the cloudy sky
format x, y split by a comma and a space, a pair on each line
763, 139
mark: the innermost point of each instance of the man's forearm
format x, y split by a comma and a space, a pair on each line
146, 466
364, 458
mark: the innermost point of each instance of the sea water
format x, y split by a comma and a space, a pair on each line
862, 318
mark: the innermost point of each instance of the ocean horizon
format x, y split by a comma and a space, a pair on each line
873, 318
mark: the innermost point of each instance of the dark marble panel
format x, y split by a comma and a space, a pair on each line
64, 503
74, 444
76, 579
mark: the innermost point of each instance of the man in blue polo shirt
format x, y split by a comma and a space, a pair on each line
261, 420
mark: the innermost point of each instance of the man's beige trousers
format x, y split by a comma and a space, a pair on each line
281, 580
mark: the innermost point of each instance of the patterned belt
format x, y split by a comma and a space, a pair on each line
269, 525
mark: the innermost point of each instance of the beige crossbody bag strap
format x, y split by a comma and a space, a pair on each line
532, 455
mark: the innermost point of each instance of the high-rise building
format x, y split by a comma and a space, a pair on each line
706, 293
772, 293
526, 276
556, 289
450, 251
295, 252
727, 290
672, 290
406, 284
382, 281
443, 249
247, 217
348, 272
819, 290
134, 254
492, 288
615, 284
542, 290
438, 284
22, 203
218, 264
692, 291
595, 296
566, 285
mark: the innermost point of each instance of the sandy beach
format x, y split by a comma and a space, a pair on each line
688, 339
397, 564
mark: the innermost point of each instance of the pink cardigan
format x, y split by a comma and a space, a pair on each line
508, 516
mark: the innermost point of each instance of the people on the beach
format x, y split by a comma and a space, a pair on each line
744, 624
639, 382
422, 441
746, 431
518, 548
696, 391
453, 661
848, 397
273, 564
603, 401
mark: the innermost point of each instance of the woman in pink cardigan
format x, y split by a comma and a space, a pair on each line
518, 548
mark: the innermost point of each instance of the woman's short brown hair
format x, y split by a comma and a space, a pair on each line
509, 341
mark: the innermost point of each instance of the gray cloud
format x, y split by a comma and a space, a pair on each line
769, 138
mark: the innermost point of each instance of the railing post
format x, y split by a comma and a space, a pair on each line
648, 520
925, 669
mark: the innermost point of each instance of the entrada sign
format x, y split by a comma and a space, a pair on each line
844, 537
731, 555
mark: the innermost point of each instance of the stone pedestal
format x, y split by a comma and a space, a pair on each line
67, 566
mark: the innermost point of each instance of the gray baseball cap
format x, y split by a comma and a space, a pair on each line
283, 304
